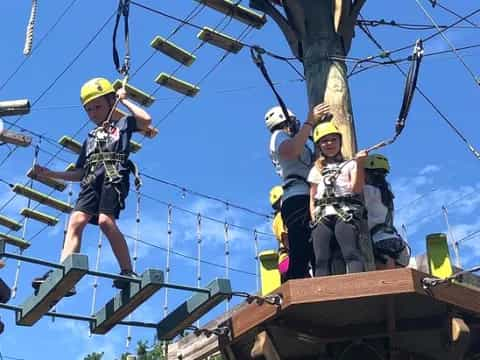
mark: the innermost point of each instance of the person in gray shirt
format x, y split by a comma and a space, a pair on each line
292, 159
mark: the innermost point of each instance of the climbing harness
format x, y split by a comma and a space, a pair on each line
122, 10
27, 50
256, 54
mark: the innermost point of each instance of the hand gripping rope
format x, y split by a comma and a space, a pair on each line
122, 10
256, 53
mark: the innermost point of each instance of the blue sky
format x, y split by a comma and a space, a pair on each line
216, 144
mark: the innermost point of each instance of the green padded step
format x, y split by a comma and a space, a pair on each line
39, 216
135, 146
126, 301
58, 283
174, 51
71, 144
220, 40
42, 198
53, 183
193, 309
239, 12
15, 241
10, 223
70, 167
135, 94
177, 85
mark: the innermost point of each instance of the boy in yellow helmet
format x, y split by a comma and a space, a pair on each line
280, 231
103, 169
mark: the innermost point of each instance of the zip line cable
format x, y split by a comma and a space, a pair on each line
435, 107
415, 27
450, 11
452, 46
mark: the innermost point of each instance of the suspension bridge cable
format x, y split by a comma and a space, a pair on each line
432, 104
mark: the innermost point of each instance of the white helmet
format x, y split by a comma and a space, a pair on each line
275, 116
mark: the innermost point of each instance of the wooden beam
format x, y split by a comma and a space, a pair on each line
42, 198
53, 183
14, 240
10, 223
53, 289
71, 144
172, 50
192, 309
220, 40
39, 216
175, 84
127, 301
264, 346
14, 107
14, 138
135, 94
238, 12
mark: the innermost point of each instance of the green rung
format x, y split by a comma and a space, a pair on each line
71, 144
70, 167
126, 301
220, 40
176, 84
175, 52
193, 309
42, 198
14, 240
39, 216
58, 283
135, 146
10, 223
239, 12
135, 94
53, 183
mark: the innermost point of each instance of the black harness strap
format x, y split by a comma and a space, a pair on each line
122, 10
256, 53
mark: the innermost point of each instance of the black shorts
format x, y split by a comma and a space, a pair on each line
100, 198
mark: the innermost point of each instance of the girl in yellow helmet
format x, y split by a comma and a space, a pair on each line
335, 203
103, 169
280, 231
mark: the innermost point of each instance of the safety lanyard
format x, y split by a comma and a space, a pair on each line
122, 10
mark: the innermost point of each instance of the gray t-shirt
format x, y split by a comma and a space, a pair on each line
288, 168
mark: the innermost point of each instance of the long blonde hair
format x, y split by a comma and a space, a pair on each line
321, 160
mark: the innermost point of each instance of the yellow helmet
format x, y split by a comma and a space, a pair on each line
95, 88
276, 194
377, 162
323, 129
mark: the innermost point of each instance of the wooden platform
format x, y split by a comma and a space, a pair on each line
387, 307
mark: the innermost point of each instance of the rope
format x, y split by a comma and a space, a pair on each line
30, 27
95, 279
167, 265
227, 255
257, 264
123, 10
199, 253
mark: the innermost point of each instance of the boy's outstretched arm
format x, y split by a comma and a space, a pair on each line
143, 118
72, 175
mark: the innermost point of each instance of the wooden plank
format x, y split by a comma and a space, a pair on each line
220, 40
14, 240
53, 183
39, 216
135, 94
135, 146
14, 138
71, 144
126, 301
238, 12
10, 223
14, 107
264, 346
42, 198
175, 84
192, 309
53, 289
172, 50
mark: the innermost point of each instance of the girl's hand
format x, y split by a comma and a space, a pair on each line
318, 112
41, 171
361, 156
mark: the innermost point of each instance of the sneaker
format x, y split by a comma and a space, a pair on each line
121, 283
37, 282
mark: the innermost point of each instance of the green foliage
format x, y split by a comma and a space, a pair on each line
94, 356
